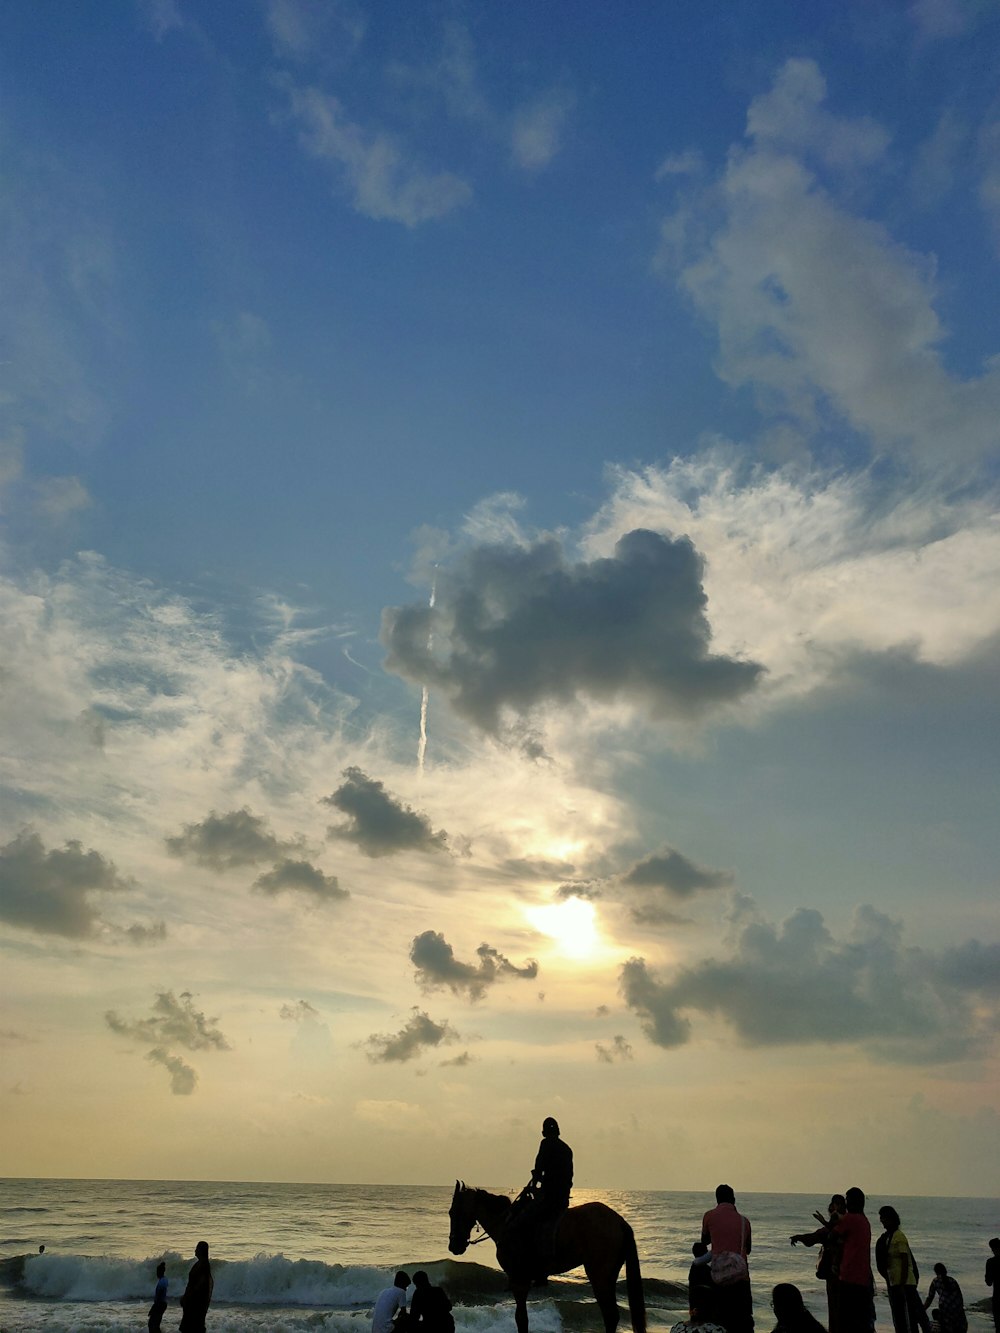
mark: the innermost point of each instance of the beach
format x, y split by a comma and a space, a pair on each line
291, 1257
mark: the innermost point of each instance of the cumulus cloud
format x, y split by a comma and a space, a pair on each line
795, 983
419, 1033
379, 824
50, 891
436, 966
537, 129
373, 166
225, 842
183, 1078
516, 627
820, 312
673, 874
617, 1049
173, 1021
299, 877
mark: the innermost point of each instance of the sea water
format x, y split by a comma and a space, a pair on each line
288, 1258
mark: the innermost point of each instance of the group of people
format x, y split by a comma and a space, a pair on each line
430, 1308
719, 1293
196, 1297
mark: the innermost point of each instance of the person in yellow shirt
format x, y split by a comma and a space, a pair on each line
894, 1260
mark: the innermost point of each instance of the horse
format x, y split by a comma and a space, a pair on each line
591, 1234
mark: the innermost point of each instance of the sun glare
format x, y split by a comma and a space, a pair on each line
571, 924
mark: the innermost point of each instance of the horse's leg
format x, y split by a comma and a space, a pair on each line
520, 1293
604, 1286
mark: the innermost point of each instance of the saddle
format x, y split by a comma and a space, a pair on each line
529, 1242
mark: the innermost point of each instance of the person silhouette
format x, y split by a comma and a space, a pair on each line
197, 1295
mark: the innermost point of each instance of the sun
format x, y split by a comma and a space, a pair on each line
571, 924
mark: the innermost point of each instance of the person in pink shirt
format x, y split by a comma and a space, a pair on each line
727, 1232
856, 1303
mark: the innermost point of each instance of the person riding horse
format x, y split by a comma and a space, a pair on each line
545, 1198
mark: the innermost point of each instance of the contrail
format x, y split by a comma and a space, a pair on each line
425, 693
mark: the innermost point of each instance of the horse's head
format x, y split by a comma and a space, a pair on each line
462, 1219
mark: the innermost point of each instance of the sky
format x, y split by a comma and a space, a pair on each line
500, 576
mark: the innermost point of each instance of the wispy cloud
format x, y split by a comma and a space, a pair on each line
436, 966
382, 178
419, 1033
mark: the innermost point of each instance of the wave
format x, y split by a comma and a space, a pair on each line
266, 1280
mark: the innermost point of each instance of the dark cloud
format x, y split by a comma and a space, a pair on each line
436, 965
589, 890
299, 1012
673, 874
172, 1022
224, 842
619, 1049
419, 1032
154, 934
795, 983
49, 891
183, 1079
458, 1061
514, 627
299, 877
379, 824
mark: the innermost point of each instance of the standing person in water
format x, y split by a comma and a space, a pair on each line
856, 1288
198, 1292
896, 1264
828, 1263
993, 1278
159, 1299
727, 1232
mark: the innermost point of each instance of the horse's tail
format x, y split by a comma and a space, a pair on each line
633, 1283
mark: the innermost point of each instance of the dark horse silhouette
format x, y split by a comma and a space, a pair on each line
591, 1234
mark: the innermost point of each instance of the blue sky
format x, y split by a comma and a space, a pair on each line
658, 349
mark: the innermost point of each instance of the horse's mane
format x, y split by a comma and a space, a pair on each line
498, 1199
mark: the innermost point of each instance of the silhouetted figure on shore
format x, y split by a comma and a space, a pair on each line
790, 1313
856, 1286
430, 1308
701, 1293
828, 1263
728, 1234
159, 1299
895, 1262
198, 1292
944, 1289
993, 1278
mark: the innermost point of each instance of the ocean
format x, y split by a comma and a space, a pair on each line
312, 1257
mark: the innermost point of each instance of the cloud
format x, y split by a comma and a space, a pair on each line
672, 873
458, 1061
436, 966
537, 129
183, 1079
373, 166
302, 29
299, 1012
516, 627
822, 313
619, 1049
380, 825
225, 842
141, 935
299, 877
795, 983
49, 891
419, 1033
939, 19
56, 498
173, 1022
